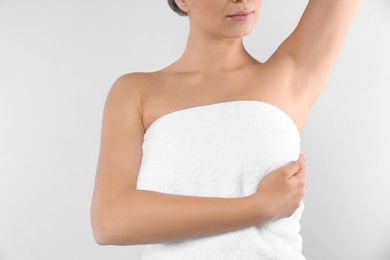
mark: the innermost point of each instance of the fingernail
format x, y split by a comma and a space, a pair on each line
298, 162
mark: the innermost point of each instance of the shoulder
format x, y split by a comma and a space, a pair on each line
130, 83
126, 96
132, 87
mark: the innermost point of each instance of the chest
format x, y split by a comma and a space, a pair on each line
217, 150
178, 93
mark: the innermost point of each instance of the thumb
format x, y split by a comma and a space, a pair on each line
302, 165
292, 168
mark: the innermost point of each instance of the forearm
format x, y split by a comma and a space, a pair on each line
142, 217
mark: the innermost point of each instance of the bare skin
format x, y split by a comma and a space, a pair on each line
214, 68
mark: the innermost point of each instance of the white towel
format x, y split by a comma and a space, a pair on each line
222, 150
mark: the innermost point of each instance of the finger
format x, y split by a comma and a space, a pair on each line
292, 168
302, 170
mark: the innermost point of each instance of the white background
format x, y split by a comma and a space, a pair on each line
58, 60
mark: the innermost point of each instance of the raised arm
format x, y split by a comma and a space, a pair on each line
123, 215
311, 50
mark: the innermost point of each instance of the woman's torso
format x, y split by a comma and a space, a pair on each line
168, 93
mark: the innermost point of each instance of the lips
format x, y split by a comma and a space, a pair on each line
241, 15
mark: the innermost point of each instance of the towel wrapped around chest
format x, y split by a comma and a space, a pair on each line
222, 150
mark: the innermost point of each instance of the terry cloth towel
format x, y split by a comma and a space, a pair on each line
222, 150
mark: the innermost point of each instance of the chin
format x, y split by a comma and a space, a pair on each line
240, 33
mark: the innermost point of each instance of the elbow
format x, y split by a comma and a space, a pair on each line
105, 236
101, 239
111, 226
101, 223
107, 231
101, 233
102, 228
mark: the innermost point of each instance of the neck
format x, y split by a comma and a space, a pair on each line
211, 54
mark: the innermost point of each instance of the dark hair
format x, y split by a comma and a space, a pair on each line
176, 8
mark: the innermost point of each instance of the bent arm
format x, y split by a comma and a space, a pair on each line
311, 50
123, 215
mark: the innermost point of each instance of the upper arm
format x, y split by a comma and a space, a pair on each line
310, 51
121, 142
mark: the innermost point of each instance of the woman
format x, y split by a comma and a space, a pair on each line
201, 159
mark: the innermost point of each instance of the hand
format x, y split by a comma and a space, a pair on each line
280, 192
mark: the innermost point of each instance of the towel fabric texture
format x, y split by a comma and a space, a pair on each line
222, 150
